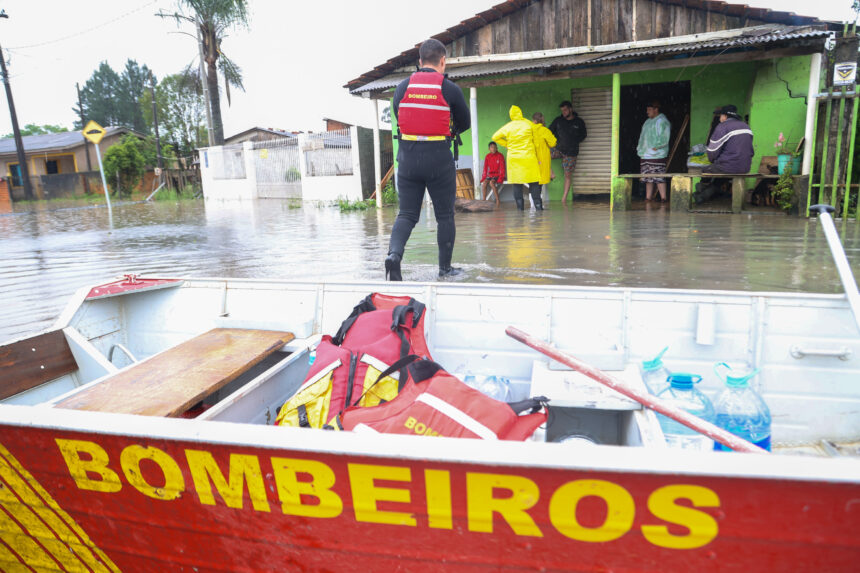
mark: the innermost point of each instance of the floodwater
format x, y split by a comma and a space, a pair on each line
48, 252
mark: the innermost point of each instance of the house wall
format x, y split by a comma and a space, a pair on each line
551, 24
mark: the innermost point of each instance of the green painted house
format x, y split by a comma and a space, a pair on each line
610, 57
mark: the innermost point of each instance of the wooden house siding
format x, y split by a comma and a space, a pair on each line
551, 24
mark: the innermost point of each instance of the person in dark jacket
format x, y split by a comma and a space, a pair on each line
730, 150
569, 130
430, 111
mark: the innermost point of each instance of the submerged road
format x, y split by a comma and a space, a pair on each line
49, 252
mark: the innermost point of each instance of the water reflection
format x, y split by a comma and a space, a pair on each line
50, 253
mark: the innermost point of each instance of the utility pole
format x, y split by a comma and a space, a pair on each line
155, 123
19, 144
86, 149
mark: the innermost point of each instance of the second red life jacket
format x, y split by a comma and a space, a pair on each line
380, 331
423, 111
439, 404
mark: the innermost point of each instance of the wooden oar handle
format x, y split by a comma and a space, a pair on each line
714, 432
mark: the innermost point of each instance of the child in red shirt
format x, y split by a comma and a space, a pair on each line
494, 172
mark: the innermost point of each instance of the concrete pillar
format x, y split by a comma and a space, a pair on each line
680, 194
811, 105
622, 194
377, 163
476, 144
616, 125
250, 170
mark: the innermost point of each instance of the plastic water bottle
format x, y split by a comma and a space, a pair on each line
740, 409
654, 374
682, 394
312, 356
498, 388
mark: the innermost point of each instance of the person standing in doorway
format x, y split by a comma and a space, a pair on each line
653, 149
544, 140
518, 136
430, 111
570, 131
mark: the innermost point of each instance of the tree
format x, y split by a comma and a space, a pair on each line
124, 165
33, 129
212, 19
112, 99
181, 112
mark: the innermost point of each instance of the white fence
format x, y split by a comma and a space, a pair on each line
315, 166
228, 162
328, 153
278, 167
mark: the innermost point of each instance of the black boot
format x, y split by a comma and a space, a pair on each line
518, 197
392, 267
537, 200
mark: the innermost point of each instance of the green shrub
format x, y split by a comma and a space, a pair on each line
389, 194
347, 205
783, 191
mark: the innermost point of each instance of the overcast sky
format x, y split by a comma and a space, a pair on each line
295, 57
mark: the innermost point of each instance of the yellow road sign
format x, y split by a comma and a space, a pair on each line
94, 132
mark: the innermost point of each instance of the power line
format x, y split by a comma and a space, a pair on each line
87, 31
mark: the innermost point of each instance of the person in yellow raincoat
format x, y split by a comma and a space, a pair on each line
518, 136
544, 139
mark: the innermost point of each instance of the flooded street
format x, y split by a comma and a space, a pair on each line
48, 253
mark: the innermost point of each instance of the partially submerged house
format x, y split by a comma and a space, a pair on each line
610, 57
57, 162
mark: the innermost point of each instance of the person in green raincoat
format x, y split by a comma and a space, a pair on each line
523, 168
653, 149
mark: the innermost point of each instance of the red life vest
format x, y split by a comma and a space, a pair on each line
439, 404
380, 331
423, 111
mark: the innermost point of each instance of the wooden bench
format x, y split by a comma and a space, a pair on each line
173, 381
681, 191
34, 361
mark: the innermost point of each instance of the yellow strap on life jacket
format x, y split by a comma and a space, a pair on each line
423, 137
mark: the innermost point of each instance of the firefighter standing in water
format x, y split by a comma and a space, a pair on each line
430, 112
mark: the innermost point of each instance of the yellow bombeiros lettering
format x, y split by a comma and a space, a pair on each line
242, 467
174, 483
702, 527
306, 488
291, 490
422, 96
419, 428
366, 494
620, 510
482, 503
84, 471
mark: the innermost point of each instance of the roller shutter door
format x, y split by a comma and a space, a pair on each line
593, 166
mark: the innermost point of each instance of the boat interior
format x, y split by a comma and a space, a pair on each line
236, 350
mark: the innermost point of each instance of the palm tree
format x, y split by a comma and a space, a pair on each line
212, 19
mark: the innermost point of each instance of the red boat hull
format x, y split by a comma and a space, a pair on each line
128, 501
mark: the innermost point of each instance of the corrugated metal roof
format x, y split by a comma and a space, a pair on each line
499, 11
51, 141
745, 38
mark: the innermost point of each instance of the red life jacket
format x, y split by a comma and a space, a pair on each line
423, 111
380, 331
439, 404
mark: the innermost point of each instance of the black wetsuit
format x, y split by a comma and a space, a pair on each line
428, 165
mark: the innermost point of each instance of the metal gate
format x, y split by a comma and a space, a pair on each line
277, 167
594, 166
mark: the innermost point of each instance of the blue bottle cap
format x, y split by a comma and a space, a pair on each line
655, 362
733, 380
683, 380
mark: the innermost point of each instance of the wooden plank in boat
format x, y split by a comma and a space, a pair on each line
171, 382
33, 361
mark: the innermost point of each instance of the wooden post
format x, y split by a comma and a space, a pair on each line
616, 123
739, 187
680, 194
